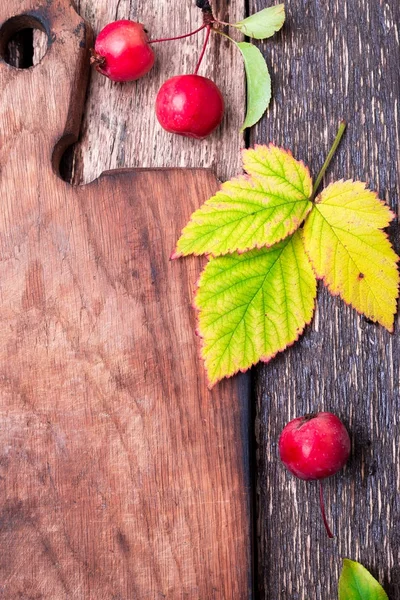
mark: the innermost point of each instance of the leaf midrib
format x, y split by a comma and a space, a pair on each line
235, 222
245, 312
356, 211
282, 177
262, 192
332, 228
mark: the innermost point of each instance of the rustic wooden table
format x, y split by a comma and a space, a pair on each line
332, 60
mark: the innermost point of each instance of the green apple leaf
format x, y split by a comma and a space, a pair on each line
258, 83
356, 583
263, 24
253, 305
346, 245
251, 211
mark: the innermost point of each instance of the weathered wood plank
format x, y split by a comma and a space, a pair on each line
334, 60
120, 128
121, 475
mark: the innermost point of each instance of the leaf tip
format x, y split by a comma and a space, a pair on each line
175, 254
390, 327
211, 382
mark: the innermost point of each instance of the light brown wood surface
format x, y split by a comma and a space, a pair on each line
121, 476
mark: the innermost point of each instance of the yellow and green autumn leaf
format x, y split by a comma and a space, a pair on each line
257, 292
346, 245
253, 305
251, 211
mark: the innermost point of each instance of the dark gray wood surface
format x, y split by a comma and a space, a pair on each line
334, 60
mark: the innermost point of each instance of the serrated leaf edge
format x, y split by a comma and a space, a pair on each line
327, 285
175, 254
263, 359
273, 146
391, 214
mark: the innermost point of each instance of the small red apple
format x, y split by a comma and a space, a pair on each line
314, 447
122, 51
189, 105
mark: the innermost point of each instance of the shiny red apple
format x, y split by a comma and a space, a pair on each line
315, 446
122, 51
189, 105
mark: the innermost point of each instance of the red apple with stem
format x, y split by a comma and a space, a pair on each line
190, 105
315, 446
122, 51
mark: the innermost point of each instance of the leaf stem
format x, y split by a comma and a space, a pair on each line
225, 35
218, 22
203, 50
322, 505
178, 37
328, 159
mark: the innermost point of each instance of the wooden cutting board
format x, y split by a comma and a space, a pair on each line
121, 475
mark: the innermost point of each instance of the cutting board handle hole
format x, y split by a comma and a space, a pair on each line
23, 41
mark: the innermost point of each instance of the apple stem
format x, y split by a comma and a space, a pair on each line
96, 59
178, 37
322, 505
328, 159
203, 50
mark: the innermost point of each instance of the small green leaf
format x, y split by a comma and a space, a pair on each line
264, 23
258, 83
356, 583
251, 211
253, 305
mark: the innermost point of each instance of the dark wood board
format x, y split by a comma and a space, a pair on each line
122, 477
334, 60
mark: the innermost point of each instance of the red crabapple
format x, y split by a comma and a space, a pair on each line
122, 52
189, 105
314, 447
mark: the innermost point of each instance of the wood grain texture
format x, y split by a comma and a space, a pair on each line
121, 476
119, 127
334, 60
